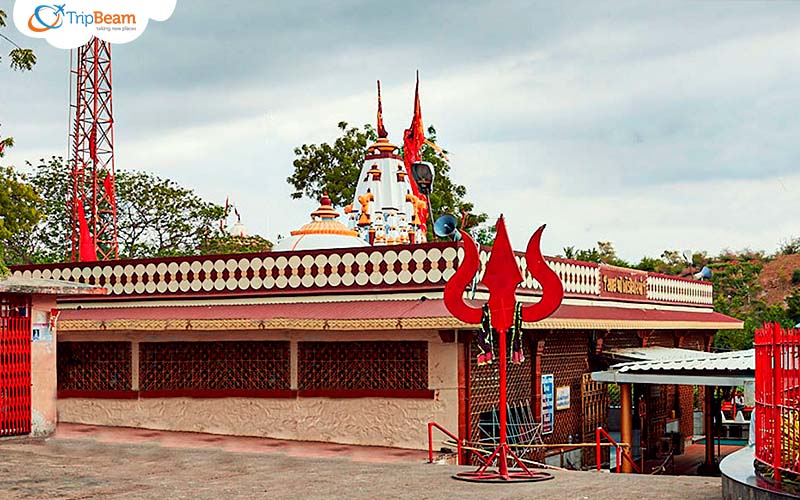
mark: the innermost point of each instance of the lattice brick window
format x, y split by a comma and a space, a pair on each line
94, 366
213, 366
363, 366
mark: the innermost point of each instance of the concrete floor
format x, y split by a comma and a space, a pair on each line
84, 462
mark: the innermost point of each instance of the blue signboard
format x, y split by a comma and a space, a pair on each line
548, 410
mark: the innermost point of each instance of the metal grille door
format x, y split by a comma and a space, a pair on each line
15, 365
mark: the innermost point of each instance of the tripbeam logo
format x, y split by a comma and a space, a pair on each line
46, 18
73, 23
50, 17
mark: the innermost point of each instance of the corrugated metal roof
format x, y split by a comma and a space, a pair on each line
654, 353
734, 361
17, 284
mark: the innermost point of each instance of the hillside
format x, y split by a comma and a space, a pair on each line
775, 278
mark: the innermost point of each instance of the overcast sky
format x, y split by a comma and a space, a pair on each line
650, 124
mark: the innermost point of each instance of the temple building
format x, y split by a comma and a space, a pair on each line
388, 208
340, 334
385, 211
324, 231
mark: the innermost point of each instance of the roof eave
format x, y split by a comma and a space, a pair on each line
37, 286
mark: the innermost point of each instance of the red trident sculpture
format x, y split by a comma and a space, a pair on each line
501, 278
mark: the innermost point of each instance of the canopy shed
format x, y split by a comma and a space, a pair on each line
672, 366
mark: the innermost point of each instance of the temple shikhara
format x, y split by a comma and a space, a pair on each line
388, 208
340, 334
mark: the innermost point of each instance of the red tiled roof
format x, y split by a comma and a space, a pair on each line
431, 313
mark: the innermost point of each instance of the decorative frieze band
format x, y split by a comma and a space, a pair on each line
269, 272
413, 267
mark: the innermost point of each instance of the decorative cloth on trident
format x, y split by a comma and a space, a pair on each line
501, 277
484, 338
517, 356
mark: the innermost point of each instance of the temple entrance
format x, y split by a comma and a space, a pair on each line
15, 365
595, 402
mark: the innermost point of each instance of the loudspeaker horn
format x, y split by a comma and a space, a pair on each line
445, 227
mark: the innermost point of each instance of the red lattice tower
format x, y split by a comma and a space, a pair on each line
93, 152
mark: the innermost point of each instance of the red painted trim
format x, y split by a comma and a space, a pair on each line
567, 261
326, 290
66, 394
676, 278
463, 354
367, 393
218, 393
377, 156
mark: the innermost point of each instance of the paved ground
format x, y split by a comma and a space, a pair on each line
81, 462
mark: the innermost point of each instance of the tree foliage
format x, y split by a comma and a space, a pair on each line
155, 217
735, 276
227, 244
14, 221
19, 58
334, 168
737, 293
790, 246
603, 253
20, 211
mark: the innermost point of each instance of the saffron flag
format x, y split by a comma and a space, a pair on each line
381, 129
108, 185
222, 221
413, 139
93, 143
86, 249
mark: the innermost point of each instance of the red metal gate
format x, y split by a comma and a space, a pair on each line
778, 399
15, 365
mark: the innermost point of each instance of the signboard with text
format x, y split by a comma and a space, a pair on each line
622, 283
562, 397
548, 412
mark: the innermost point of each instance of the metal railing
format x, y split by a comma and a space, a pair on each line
777, 410
621, 449
447, 433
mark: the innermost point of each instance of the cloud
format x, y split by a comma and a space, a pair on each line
73, 23
668, 126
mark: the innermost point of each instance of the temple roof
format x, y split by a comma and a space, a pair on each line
385, 313
324, 231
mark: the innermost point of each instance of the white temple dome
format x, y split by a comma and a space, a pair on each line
238, 229
323, 232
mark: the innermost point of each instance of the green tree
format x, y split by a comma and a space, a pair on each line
20, 58
793, 307
448, 196
604, 253
672, 262
155, 217
228, 244
20, 211
335, 169
484, 234
49, 241
790, 246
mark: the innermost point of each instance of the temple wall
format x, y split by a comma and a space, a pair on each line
379, 421
360, 421
43, 367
